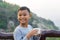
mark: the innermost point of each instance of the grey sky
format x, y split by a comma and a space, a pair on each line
49, 9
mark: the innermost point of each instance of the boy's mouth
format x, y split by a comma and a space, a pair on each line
22, 20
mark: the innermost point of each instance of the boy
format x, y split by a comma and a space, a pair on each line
24, 31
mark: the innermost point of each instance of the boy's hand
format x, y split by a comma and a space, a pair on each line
32, 33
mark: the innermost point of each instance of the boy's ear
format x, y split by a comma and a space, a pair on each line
17, 18
30, 14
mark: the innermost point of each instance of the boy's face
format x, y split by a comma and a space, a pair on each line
23, 16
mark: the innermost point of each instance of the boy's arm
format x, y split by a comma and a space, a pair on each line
18, 36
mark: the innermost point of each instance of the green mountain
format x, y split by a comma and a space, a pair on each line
8, 13
42, 23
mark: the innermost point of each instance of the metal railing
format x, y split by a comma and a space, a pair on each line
50, 33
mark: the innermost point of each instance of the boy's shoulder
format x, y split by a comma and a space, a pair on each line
17, 28
30, 26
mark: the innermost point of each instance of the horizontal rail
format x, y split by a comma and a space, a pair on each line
49, 33
4, 35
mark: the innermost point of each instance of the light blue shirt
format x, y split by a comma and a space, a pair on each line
20, 33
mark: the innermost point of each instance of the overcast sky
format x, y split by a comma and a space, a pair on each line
48, 9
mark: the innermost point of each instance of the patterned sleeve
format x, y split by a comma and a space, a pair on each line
18, 36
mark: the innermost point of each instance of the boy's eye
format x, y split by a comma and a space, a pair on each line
19, 15
24, 14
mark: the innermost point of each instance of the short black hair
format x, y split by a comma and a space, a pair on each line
24, 8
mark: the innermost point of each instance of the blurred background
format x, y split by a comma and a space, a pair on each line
45, 14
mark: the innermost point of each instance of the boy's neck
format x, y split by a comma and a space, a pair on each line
24, 25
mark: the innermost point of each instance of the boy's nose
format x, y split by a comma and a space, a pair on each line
22, 16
